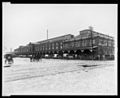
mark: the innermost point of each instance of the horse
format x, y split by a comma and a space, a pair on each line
35, 58
9, 59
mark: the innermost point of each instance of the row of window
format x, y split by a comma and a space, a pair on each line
88, 34
48, 47
106, 42
24, 50
89, 42
80, 43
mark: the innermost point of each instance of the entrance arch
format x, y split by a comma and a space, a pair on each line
78, 53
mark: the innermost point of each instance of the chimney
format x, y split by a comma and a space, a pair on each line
91, 28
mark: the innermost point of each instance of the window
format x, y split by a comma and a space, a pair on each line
46, 46
85, 42
66, 45
61, 45
103, 42
56, 44
90, 42
112, 43
38, 48
82, 43
35, 48
93, 41
53, 46
100, 42
49, 47
109, 43
76, 44
72, 44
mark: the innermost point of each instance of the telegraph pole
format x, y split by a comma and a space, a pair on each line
91, 29
47, 34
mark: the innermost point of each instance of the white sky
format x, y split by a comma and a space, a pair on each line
24, 23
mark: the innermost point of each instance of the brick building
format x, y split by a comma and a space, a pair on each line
88, 44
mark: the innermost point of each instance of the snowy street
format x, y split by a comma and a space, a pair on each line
55, 76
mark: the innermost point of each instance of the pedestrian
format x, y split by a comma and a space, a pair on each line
30, 59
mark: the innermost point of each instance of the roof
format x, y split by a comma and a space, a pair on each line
9, 53
57, 38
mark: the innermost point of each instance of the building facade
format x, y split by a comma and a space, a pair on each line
88, 44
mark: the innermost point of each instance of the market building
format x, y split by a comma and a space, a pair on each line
88, 45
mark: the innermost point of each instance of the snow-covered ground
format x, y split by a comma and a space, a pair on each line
54, 76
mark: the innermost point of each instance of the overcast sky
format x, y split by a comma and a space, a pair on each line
24, 23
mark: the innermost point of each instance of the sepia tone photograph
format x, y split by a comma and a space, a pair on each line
59, 49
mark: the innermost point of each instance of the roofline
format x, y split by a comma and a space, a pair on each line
54, 38
97, 32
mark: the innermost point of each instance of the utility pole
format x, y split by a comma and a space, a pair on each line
91, 29
47, 34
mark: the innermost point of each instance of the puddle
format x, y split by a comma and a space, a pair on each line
88, 65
